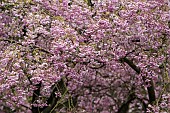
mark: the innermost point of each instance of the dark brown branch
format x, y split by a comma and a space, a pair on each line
131, 64
6, 7
150, 89
100, 64
36, 94
30, 46
151, 92
89, 3
125, 106
97, 67
59, 87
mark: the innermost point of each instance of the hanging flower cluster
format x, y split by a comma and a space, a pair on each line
84, 56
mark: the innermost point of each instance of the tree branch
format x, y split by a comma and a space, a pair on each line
30, 46
52, 100
150, 89
131, 64
125, 106
36, 94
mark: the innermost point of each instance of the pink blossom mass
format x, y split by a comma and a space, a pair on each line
84, 56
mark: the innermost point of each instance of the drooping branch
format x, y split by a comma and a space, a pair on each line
100, 64
89, 3
151, 92
30, 46
131, 64
36, 94
150, 89
59, 87
125, 106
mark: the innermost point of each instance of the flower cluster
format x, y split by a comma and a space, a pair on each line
84, 56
